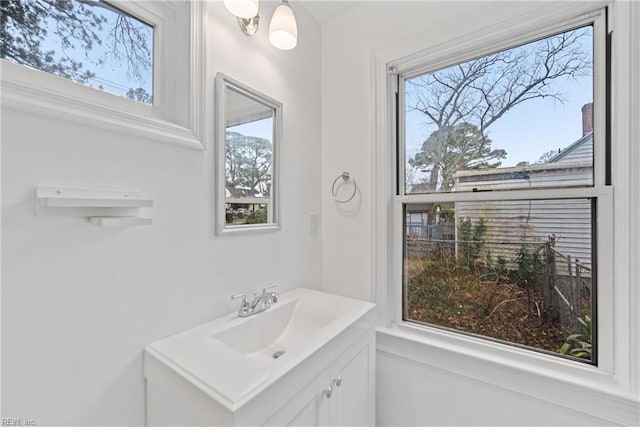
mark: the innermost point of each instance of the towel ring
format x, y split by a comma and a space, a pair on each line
345, 176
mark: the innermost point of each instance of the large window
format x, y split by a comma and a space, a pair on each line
501, 167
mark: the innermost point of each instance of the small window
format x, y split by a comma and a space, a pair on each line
498, 195
93, 43
249, 170
248, 129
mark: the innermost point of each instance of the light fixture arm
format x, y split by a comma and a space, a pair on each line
249, 26
283, 29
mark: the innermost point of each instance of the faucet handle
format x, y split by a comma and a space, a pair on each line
244, 305
236, 296
272, 285
273, 296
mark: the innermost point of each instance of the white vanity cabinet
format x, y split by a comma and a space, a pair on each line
342, 395
325, 375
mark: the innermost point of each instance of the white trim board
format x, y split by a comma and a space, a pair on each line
617, 408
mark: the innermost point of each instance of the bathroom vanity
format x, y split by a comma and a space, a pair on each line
306, 361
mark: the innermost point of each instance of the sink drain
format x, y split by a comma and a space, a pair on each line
277, 354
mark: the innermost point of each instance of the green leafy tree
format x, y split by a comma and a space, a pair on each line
453, 148
248, 165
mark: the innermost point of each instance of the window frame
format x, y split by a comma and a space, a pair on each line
224, 83
601, 192
573, 384
177, 113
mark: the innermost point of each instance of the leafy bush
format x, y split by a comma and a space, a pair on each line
431, 283
257, 217
529, 266
579, 345
472, 238
447, 215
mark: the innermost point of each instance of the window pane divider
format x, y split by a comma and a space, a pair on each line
533, 194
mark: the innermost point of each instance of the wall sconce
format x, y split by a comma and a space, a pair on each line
283, 29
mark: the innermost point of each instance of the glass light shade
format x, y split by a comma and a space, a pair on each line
246, 9
283, 30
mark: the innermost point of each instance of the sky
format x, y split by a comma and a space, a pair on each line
258, 128
528, 130
112, 76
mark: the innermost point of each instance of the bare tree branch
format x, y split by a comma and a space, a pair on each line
463, 101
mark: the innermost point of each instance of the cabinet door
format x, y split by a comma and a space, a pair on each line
310, 407
352, 403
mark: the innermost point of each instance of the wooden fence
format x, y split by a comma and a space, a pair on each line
567, 288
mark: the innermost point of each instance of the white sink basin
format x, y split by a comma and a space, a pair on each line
258, 331
232, 359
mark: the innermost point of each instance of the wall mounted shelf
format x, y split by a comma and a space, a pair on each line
79, 202
103, 207
106, 221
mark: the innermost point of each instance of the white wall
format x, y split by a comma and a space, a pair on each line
408, 392
80, 302
348, 45
412, 394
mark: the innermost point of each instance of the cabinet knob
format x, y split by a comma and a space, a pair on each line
328, 392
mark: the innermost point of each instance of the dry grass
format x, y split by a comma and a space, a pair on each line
478, 300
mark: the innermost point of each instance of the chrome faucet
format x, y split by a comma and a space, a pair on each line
260, 302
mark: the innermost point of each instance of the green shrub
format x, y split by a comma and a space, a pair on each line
432, 282
257, 217
472, 239
529, 266
579, 345
447, 215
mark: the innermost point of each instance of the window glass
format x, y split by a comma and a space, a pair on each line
517, 271
518, 118
89, 42
249, 169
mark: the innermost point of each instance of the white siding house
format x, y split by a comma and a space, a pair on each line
512, 223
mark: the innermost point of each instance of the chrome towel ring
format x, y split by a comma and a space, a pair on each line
334, 187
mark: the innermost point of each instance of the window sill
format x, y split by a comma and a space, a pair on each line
577, 386
36, 92
253, 228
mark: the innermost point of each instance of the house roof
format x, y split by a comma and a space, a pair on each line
579, 150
